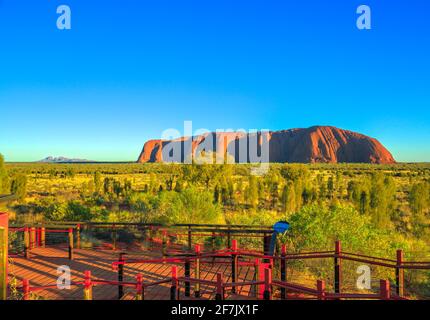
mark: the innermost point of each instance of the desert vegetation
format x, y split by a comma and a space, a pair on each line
373, 209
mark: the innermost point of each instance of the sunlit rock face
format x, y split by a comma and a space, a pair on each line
318, 144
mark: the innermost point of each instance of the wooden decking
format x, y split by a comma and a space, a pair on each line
41, 270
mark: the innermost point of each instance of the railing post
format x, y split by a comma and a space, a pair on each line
321, 289
384, 289
42, 237
190, 238
219, 287
164, 243
267, 295
187, 274
266, 246
174, 288
151, 237
234, 265
213, 242
284, 270
120, 275
78, 236
139, 287
25, 289
27, 243
257, 267
32, 237
337, 267
4, 227
88, 286
113, 237
70, 243
399, 274
228, 237
197, 272
37, 237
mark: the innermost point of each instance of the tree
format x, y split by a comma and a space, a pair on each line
364, 202
252, 192
127, 187
419, 202
217, 194
350, 190
117, 188
299, 175
274, 193
419, 198
189, 206
97, 182
382, 199
330, 187
288, 198
107, 186
3, 176
19, 186
179, 186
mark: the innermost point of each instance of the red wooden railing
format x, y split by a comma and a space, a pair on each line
263, 283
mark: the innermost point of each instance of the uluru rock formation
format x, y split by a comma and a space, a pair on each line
318, 144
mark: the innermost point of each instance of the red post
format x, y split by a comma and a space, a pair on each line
70, 243
26, 289
337, 267
4, 229
219, 287
139, 287
151, 233
42, 237
399, 274
267, 284
321, 289
78, 236
121, 261
187, 274
283, 270
190, 239
267, 295
37, 237
384, 288
164, 243
258, 288
32, 237
113, 235
197, 271
234, 245
27, 242
88, 286
174, 287
234, 265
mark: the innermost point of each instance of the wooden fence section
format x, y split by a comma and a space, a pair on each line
168, 270
36, 278
179, 236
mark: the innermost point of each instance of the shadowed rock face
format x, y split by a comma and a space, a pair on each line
319, 144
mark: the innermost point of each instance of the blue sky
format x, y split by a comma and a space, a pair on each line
127, 70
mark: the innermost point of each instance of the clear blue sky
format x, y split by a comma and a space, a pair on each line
127, 70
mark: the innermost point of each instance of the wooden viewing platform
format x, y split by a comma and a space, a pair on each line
41, 270
159, 267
